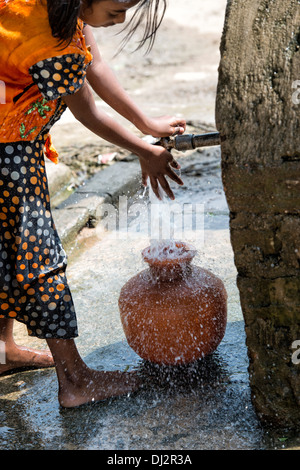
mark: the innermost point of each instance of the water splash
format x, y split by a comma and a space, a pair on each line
160, 246
164, 245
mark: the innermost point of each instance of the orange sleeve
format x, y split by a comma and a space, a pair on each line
48, 47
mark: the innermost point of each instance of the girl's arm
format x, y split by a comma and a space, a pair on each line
156, 162
107, 87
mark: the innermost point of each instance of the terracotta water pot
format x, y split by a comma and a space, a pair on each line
173, 312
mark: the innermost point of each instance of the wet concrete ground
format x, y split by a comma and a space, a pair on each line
205, 405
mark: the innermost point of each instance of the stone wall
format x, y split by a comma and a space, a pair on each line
258, 116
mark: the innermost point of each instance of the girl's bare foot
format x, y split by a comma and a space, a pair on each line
17, 357
78, 384
93, 386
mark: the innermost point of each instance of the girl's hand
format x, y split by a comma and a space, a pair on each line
156, 165
156, 162
164, 126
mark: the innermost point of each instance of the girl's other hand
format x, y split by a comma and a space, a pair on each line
164, 126
156, 165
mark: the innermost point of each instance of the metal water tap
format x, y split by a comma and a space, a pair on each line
184, 142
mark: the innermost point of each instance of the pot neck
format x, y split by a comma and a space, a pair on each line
170, 273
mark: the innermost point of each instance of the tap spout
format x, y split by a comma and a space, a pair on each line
185, 142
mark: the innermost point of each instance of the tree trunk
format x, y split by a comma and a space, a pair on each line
258, 117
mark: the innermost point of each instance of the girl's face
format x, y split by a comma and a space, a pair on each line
106, 13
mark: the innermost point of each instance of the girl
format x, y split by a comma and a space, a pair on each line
50, 61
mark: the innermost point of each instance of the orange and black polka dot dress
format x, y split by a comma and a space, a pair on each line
33, 283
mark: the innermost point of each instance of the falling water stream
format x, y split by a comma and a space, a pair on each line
205, 405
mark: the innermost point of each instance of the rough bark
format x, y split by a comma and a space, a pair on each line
258, 116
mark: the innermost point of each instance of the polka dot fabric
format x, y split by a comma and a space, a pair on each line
37, 73
60, 75
33, 284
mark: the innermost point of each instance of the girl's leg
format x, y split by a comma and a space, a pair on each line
78, 384
19, 356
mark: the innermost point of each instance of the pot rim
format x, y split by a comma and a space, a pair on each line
185, 255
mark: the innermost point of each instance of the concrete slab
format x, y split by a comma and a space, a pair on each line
59, 176
118, 178
84, 205
69, 222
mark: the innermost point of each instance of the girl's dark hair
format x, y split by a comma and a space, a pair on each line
63, 16
151, 13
